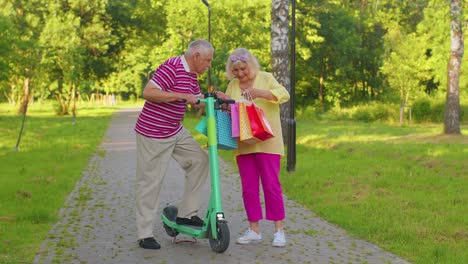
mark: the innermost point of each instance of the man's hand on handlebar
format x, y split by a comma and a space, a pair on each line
191, 99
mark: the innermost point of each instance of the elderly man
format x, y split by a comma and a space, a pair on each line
160, 136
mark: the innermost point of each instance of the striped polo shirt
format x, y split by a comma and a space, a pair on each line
163, 120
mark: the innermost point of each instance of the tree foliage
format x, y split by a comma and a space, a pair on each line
348, 52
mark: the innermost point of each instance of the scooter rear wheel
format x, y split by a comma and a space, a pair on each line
171, 214
222, 243
170, 231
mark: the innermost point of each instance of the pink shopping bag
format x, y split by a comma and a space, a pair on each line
235, 120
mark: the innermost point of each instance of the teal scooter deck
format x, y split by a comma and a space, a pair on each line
169, 219
215, 226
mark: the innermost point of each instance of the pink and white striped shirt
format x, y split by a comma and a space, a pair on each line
163, 120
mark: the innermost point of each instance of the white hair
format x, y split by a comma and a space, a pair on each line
251, 61
200, 45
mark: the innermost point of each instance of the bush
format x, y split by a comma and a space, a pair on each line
421, 110
375, 112
463, 110
437, 114
433, 110
385, 112
363, 114
337, 113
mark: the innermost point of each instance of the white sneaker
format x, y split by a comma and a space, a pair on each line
279, 240
249, 237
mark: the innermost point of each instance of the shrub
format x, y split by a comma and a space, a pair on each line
437, 114
385, 112
463, 110
363, 114
433, 110
375, 112
421, 110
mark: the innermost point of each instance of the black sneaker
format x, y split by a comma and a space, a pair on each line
149, 243
193, 221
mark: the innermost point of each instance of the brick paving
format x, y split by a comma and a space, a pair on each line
97, 223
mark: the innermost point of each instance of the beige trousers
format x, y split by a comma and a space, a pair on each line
153, 157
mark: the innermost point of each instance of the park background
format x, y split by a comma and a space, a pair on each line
399, 183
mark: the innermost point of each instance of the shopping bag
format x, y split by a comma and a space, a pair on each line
235, 120
245, 132
223, 126
259, 125
224, 131
202, 127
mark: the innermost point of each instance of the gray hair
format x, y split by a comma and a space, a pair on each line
200, 45
252, 62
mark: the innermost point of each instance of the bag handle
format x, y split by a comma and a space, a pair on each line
247, 96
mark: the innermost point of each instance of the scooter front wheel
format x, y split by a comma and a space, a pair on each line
220, 244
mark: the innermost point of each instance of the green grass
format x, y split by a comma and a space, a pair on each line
35, 180
403, 188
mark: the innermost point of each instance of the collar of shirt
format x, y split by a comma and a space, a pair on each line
184, 62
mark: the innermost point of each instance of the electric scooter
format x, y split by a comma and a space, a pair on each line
215, 226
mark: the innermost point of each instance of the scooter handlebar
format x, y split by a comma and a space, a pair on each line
185, 100
225, 101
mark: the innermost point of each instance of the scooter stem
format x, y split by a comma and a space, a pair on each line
216, 204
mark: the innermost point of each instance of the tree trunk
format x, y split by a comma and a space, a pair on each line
73, 110
24, 102
23, 110
62, 108
452, 105
279, 52
320, 93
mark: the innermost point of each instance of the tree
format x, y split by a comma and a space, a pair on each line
279, 50
7, 37
335, 57
452, 106
84, 25
232, 27
27, 18
436, 40
27, 25
139, 29
406, 65
306, 39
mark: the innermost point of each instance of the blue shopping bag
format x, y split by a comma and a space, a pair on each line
224, 130
224, 127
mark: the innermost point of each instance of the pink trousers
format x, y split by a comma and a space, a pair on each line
253, 169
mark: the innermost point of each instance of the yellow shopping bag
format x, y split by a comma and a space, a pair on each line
245, 131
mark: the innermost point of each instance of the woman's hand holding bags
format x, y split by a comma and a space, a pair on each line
253, 125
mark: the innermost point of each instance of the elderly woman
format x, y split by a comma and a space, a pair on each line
259, 162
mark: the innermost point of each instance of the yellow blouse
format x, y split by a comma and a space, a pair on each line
266, 81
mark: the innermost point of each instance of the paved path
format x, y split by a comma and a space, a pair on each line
97, 223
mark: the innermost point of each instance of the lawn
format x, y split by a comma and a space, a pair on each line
36, 179
402, 188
